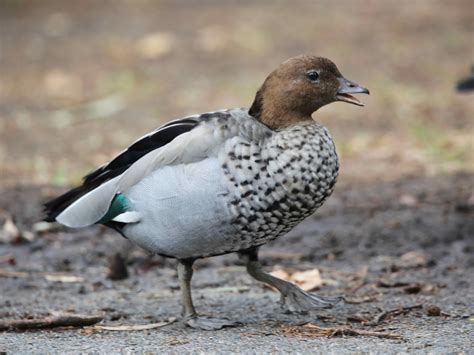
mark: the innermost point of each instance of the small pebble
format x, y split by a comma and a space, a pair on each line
433, 311
412, 288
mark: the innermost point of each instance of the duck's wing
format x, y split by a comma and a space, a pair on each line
149, 142
181, 141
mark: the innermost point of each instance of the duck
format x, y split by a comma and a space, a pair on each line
466, 84
222, 182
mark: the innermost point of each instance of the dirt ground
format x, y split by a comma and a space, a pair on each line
382, 251
82, 80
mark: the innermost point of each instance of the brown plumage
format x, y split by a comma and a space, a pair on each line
287, 96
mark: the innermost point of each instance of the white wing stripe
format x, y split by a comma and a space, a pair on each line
91, 207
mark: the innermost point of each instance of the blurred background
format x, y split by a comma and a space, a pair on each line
82, 80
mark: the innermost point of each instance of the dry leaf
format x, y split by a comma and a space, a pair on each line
135, 327
60, 84
413, 259
155, 45
280, 273
9, 232
308, 280
408, 200
63, 278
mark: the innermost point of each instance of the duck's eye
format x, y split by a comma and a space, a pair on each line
312, 75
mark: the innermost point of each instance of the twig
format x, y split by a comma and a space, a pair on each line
8, 259
351, 331
358, 285
359, 300
360, 279
135, 327
8, 273
312, 330
394, 312
60, 320
54, 277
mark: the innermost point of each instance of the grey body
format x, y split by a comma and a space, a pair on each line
255, 186
183, 211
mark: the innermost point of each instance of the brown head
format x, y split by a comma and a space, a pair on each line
299, 87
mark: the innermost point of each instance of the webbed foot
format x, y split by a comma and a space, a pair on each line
205, 323
298, 300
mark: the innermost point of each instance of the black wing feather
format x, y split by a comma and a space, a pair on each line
121, 163
466, 84
143, 146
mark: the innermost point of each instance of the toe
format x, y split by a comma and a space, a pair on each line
210, 323
300, 301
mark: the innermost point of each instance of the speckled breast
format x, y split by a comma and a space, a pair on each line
277, 183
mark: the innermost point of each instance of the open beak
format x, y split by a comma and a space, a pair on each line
346, 88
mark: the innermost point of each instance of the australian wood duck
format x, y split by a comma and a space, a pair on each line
225, 181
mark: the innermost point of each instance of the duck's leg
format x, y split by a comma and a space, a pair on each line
292, 296
185, 273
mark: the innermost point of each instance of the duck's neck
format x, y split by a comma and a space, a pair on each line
275, 114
